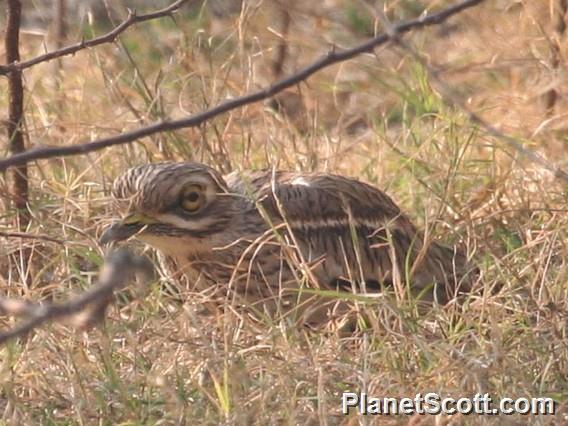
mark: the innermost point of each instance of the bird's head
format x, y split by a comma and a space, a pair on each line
174, 207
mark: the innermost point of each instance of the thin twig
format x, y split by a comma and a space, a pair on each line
334, 56
16, 65
26, 236
88, 308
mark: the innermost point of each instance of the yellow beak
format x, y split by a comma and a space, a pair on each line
138, 218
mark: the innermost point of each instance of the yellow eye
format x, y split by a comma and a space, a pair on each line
192, 198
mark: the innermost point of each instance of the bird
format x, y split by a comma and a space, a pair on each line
272, 239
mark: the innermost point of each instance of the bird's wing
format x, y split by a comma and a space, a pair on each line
319, 200
325, 212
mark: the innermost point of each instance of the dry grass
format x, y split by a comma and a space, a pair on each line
160, 360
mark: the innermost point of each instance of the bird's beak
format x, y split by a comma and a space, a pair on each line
125, 228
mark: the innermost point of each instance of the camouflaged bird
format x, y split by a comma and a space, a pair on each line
266, 236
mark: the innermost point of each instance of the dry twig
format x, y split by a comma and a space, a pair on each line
334, 56
88, 308
16, 65
26, 236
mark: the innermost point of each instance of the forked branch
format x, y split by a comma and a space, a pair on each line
132, 19
87, 309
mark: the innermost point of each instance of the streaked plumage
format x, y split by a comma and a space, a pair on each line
265, 234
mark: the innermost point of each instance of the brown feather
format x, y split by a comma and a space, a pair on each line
261, 232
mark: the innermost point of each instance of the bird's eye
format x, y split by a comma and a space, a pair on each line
192, 198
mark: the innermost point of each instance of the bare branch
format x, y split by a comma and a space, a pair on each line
334, 56
14, 125
16, 65
88, 308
